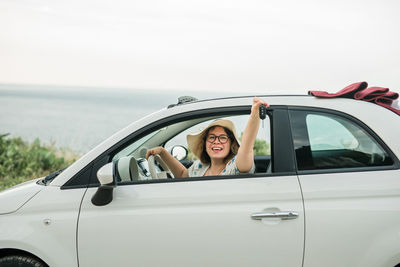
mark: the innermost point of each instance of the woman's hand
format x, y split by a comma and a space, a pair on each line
174, 165
154, 151
255, 108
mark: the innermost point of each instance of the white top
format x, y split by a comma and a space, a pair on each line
199, 169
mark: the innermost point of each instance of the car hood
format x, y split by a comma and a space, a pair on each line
15, 197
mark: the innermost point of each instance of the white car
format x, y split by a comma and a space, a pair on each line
326, 192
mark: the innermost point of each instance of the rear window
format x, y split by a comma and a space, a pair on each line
327, 141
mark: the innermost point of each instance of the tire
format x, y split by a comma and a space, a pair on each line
20, 261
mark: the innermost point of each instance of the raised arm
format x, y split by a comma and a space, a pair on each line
245, 156
175, 166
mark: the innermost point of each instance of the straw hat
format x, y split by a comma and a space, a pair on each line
196, 140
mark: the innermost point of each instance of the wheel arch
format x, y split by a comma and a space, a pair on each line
12, 251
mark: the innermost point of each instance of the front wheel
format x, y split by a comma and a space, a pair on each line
20, 261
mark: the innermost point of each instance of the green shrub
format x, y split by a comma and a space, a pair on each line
260, 148
21, 161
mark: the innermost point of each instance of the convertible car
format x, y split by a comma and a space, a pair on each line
326, 192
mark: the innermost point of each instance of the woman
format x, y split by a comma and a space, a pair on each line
218, 149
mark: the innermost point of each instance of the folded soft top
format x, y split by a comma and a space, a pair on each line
360, 91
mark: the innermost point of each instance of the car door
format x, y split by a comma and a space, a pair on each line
246, 220
350, 182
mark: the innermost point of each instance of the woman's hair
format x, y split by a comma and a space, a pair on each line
205, 158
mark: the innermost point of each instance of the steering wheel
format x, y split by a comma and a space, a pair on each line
152, 168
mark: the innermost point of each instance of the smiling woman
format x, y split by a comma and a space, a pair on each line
216, 147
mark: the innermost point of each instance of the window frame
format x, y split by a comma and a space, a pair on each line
352, 119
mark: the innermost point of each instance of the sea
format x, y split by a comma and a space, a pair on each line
79, 118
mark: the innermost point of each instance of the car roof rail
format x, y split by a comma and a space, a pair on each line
183, 100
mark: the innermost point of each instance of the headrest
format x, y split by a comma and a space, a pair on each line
128, 169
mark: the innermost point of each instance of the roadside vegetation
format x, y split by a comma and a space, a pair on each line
21, 161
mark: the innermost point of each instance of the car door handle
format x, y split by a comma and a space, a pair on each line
284, 215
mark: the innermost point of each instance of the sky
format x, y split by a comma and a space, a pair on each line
264, 46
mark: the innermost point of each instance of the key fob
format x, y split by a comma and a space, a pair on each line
263, 112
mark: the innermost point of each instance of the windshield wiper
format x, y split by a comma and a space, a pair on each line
46, 180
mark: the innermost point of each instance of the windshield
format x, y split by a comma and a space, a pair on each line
134, 146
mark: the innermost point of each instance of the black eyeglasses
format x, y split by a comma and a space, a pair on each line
223, 138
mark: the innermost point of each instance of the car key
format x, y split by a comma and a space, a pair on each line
263, 113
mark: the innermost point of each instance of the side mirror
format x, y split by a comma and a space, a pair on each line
104, 193
179, 152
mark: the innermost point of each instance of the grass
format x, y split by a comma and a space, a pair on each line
21, 161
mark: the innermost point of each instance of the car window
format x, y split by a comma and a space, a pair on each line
327, 141
174, 135
321, 138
